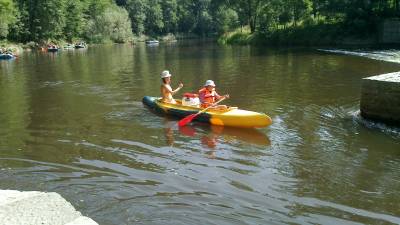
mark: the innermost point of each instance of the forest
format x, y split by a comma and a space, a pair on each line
98, 21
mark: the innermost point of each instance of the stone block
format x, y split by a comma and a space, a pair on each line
38, 208
380, 98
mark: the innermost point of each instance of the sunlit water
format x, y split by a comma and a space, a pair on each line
73, 123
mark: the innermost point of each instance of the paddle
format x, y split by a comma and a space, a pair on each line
189, 118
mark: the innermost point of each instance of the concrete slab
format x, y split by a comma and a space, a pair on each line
380, 98
38, 208
388, 77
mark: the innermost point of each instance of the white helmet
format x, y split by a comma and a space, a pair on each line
165, 74
209, 83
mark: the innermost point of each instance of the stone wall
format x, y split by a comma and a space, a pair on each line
380, 98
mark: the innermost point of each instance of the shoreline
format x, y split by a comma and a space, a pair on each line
323, 35
349, 44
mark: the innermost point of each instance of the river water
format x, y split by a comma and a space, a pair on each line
73, 123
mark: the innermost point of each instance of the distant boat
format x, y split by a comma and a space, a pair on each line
7, 56
52, 49
69, 46
152, 42
80, 45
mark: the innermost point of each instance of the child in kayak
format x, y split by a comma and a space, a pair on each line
209, 96
166, 90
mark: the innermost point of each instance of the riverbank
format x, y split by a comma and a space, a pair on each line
307, 36
18, 48
15, 48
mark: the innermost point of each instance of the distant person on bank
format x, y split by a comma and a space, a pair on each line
166, 89
209, 96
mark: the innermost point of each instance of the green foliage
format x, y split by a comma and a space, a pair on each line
186, 19
119, 25
154, 18
170, 17
96, 7
203, 18
226, 19
48, 20
250, 10
100, 20
8, 16
137, 14
113, 24
51, 20
74, 18
239, 38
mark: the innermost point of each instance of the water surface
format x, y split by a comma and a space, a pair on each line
73, 123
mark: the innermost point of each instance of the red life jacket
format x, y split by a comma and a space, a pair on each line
206, 97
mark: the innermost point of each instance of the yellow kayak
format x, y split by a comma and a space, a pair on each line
232, 116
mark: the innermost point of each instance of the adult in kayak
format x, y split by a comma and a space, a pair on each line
166, 89
209, 96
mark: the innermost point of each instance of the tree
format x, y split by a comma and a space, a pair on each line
154, 18
225, 19
113, 24
49, 20
137, 14
300, 9
96, 7
251, 10
8, 16
75, 21
186, 19
203, 19
169, 11
119, 29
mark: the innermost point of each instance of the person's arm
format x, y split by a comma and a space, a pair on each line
218, 97
177, 89
169, 89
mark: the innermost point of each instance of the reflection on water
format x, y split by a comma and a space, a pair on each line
73, 123
210, 135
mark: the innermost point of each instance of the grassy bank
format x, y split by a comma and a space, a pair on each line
310, 35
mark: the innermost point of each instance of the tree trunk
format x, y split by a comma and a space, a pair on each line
252, 25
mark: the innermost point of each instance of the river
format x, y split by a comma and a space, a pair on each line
73, 123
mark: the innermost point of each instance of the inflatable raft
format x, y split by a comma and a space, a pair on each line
7, 56
52, 49
232, 116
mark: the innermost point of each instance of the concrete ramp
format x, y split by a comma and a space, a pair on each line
38, 208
